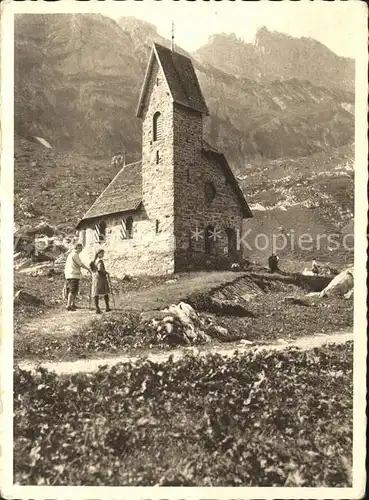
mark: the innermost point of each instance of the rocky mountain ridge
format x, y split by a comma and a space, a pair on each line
78, 78
77, 81
278, 56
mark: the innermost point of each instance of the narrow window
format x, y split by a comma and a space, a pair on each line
100, 232
156, 126
157, 226
157, 157
231, 242
129, 227
210, 192
188, 175
157, 82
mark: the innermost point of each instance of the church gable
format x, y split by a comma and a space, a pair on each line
180, 76
218, 158
156, 89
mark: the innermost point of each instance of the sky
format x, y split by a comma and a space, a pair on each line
335, 24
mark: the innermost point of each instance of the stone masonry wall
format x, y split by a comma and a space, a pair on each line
151, 250
174, 173
157, 174
192, 210
146, 253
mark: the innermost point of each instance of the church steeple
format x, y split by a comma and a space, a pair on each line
180, 77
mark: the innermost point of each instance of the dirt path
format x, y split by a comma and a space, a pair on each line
91, 365
63, 323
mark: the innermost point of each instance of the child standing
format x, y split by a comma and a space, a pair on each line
100, 283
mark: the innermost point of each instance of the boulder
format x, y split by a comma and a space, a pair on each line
177, 324
341, 284
230, 308
43, 228
27, 298
37, 270
219, 332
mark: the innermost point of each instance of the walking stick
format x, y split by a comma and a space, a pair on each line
89, 299
111, 290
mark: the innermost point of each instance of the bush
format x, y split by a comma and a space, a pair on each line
257, 419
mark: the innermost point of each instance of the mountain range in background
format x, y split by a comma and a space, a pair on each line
282, 110
78, 78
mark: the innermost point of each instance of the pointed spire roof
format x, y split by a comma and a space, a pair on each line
180, 76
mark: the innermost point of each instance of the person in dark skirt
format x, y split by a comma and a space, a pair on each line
273, 263
100, 282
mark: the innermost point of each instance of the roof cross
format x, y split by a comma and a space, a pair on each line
172, 44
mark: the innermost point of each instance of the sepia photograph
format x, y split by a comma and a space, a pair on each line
183, 228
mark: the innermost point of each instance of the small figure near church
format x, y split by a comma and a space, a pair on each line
314, 267
73, 275
100, 282
273, 263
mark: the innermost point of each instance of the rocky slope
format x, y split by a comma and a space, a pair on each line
276, 56
77, 81
78, 77
288, 196
312, 195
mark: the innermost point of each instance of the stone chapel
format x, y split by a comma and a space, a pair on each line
179, 208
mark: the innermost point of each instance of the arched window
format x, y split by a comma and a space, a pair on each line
157, 157
156, 126
210, 191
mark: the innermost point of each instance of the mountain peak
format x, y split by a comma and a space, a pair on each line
278, 56
134, 25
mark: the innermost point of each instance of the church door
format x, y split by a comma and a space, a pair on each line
232, 243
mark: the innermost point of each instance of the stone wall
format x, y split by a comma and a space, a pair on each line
147, 252
192, 170
174, 174
157, 175
151, 250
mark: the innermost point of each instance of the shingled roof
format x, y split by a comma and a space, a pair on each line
123, 194
215, 155
180, 76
